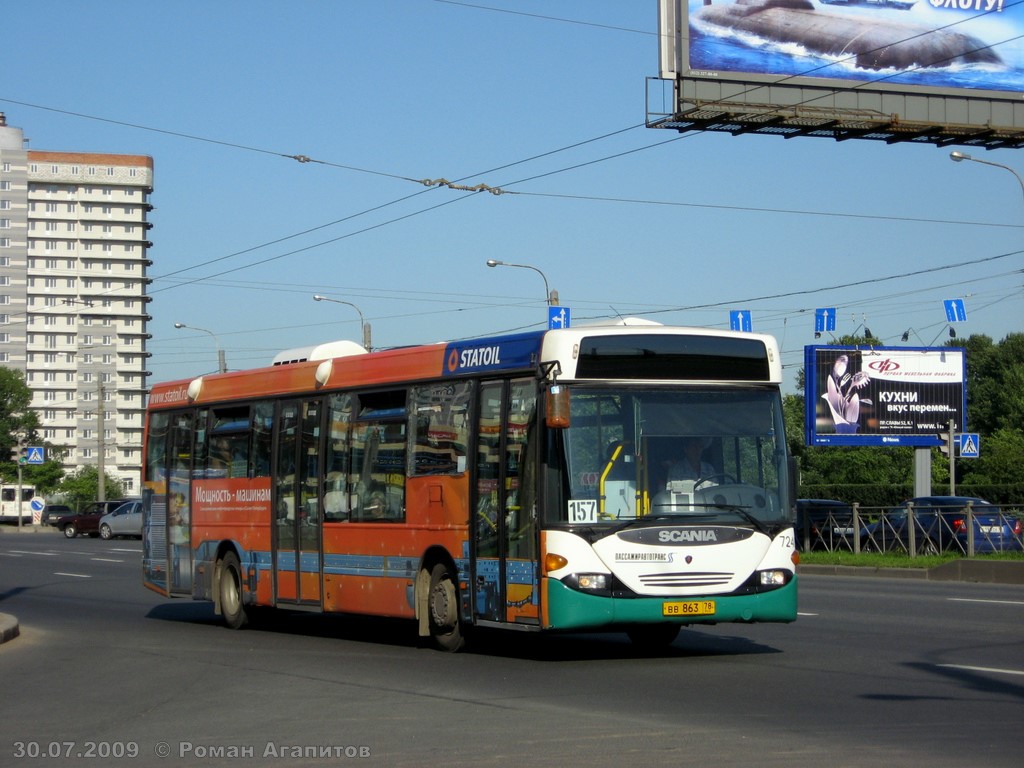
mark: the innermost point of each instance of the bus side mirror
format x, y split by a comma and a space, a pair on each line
557, 412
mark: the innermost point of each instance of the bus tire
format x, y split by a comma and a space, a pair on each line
443, 610
230, 592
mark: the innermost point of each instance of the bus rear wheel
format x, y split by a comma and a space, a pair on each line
443, 609
230, 588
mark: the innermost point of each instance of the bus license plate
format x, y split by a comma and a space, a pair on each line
688, 608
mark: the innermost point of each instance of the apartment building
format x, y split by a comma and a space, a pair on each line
74, 244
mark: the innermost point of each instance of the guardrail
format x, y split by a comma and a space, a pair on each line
916, 530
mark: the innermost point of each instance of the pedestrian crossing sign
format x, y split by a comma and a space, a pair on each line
35, 455
970, 445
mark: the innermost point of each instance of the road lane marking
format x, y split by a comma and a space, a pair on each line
993, 670
993, 602
28, 552
75, 575
106, 560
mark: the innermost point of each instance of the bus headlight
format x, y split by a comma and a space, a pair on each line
592, 581
773, 578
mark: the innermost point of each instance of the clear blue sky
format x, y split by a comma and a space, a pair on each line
547, 102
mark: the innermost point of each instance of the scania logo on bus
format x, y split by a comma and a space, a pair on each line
884, 366
690, 535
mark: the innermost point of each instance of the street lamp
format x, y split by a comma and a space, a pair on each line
362, 321
957, 157
551, 297
222, 365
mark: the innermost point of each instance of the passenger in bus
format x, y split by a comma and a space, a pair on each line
691, 465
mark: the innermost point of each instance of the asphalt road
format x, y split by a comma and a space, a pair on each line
876, 672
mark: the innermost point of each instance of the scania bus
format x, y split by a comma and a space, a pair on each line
524, 481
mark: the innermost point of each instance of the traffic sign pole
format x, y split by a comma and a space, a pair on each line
952, 460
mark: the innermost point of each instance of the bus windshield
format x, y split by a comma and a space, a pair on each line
699, 453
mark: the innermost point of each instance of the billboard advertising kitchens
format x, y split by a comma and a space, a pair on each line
883, 395
948, 44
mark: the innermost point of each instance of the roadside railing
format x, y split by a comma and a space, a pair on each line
917, 530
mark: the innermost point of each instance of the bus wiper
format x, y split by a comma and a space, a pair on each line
742, 512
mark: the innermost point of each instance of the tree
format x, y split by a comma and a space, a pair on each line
18, 420
82, 486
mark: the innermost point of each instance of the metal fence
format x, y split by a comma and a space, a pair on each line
915, 530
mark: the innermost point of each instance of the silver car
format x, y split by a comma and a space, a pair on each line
126, 520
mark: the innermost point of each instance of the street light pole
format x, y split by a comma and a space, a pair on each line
222, 365
957, 157
365, 325
551, 297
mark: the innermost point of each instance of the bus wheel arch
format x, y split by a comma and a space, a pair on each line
437, 602
227, 589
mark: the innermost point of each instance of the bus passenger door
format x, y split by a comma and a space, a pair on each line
504, 522
296, 540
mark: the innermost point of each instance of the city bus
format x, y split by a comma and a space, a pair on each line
525, 481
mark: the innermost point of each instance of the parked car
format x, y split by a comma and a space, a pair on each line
126, 520
53, 512
941, 523
87, 521
824, 524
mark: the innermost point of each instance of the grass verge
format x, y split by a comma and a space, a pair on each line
895, 559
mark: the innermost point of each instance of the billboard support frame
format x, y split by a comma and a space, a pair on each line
699, 108
771, 102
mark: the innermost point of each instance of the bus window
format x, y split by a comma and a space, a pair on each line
287, 437
439, 418
336, 459
488, 470
309, 469
229, 442
156, 446
378, 471
518, 478
179, 513
262, 439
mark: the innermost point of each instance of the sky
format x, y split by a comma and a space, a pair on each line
541, 100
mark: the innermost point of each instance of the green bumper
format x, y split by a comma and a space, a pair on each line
571, 609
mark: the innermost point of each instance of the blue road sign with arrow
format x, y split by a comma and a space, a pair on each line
825, 320
559, 317
956, 312
739, 320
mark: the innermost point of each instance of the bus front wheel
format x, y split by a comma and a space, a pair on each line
443, 608
230, 586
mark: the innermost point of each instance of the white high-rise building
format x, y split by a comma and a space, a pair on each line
74, 243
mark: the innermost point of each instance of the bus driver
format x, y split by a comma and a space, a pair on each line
691, 466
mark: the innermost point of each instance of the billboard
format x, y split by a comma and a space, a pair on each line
883, 395
837, 56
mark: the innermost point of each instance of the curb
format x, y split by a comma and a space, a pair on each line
979, 571
6, 528
9, 628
